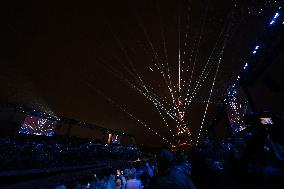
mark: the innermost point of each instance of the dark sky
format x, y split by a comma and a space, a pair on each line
62, 57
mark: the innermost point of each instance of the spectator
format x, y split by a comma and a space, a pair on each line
132, 182
145, 179
168, 177
118, 183
149, 169
123, 181
108, 181
182, 164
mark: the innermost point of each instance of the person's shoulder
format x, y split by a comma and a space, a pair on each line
183, 178
137, 181
179, 174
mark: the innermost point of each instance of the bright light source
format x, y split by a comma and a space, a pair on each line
273, 21
245, 66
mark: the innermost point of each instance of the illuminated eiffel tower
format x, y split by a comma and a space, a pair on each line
183, 133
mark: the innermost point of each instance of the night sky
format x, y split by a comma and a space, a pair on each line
77, 59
